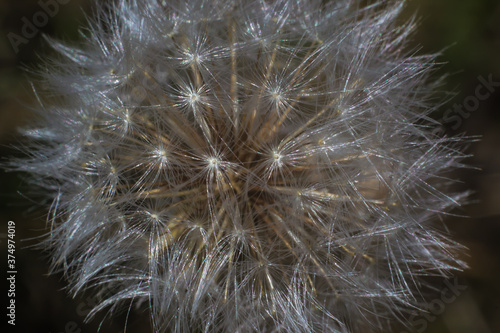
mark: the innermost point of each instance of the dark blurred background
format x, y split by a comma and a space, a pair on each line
468, 34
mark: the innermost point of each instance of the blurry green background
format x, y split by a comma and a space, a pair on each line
468, 34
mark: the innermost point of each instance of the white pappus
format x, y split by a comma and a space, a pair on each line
246, 165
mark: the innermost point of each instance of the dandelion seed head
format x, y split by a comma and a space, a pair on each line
246, 166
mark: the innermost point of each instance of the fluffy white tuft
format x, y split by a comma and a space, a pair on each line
246, 165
